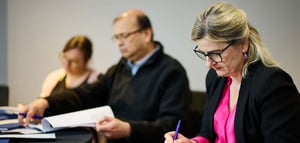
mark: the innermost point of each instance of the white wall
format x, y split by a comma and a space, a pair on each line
3, 43
38, 30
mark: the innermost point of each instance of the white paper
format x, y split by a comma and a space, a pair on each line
82, 118
30, 136
22, 131
8, 121
9, 109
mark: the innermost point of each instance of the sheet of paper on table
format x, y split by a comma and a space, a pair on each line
30, 136
82, 118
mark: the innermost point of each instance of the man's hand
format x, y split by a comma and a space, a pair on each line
36, 107
113, 128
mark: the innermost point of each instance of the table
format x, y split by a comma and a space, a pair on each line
73, 135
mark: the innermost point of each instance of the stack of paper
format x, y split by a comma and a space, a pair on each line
11, 128
82, 118
8, 118
8, 112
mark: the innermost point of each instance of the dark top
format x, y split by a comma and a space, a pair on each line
152, 100
61, 85
268, 108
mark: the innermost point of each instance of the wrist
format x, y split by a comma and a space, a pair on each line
128, 131
42, 103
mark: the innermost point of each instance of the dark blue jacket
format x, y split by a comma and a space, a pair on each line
152, 101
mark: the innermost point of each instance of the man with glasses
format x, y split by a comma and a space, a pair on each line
147, 89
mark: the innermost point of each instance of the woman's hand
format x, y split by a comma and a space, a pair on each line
180, 138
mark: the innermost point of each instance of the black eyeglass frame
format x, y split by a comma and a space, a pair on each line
202, 55
124, 36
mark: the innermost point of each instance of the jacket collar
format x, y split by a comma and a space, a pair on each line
154, 58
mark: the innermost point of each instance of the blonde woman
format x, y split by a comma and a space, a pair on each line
250, 99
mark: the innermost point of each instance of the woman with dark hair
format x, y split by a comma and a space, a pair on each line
75, 71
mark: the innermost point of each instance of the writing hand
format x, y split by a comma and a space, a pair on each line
169, 138
31, 110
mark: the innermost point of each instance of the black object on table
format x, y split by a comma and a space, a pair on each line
4, 91
73, 135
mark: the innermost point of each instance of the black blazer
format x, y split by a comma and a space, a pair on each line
268, 108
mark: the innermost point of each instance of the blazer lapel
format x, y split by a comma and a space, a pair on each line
215, 99
240, 110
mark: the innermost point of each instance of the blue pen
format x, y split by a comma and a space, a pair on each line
177, 130
35, 116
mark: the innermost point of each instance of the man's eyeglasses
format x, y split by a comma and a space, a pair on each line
213, 55
123, 36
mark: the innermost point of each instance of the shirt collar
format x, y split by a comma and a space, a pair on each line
135, 66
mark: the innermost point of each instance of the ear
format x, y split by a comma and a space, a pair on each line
148, 35
245, 46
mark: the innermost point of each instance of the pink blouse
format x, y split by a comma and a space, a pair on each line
223, 120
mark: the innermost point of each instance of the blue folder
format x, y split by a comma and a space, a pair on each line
10, 126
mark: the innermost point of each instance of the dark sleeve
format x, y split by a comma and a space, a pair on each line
172, 107
87, 96
278, 103
211, 83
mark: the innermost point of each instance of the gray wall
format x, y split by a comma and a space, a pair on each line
38, 29
3, 45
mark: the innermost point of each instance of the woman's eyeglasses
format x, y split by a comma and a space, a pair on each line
213, 55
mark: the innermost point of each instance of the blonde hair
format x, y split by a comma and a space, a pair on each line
223, 22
